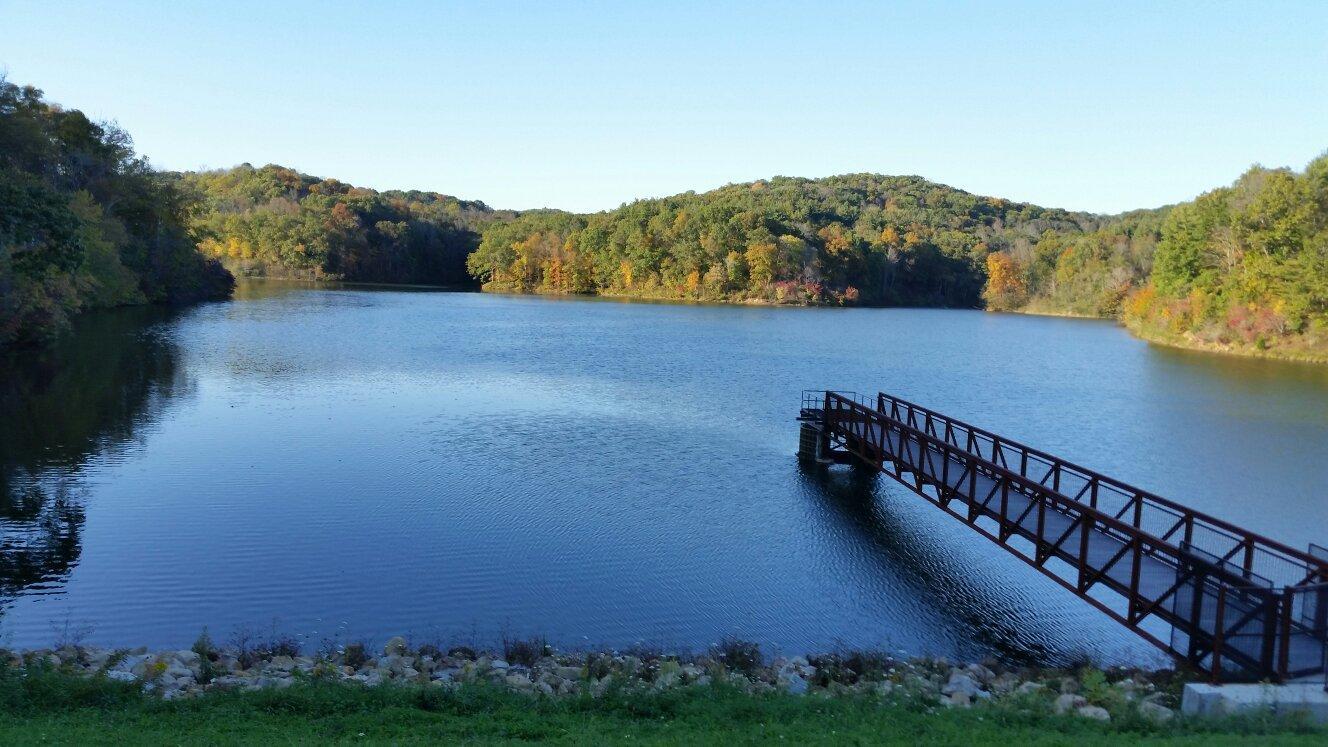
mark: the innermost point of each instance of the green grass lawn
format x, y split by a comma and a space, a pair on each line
53, 708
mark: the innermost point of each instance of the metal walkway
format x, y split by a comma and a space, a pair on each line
1241, 607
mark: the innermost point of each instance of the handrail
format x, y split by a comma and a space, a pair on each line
1041, 490
1263, 628
1313, 565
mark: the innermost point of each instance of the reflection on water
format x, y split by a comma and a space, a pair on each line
359, 462
984, 623
85, 396
40, 543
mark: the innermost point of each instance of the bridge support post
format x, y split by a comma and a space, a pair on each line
813, 444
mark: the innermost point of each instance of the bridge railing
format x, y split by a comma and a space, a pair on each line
813, 400
1234, 623
1258, 556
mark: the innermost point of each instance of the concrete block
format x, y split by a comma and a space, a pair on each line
1221, 700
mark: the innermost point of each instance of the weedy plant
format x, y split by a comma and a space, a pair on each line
524, 651
208, 656
738, 655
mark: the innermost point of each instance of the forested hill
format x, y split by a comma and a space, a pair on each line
857, 238
85, 223
277, 222
1242, 268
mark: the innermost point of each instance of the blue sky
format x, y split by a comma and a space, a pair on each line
1096, 106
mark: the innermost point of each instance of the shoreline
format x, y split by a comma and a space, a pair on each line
1166, 341
533, 668
1185, 344
1197, 346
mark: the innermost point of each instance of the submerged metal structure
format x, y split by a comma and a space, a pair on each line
1240, 606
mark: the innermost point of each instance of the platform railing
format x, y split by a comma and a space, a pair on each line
1235, 623
1259, 556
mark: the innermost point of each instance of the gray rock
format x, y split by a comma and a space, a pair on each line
1030, 687
1067, 702
958, 699
145, 668
568, 673
119, 675
980, 673
519, 682
128, 663
395, 645
175, 670
794, 683
961, 683
392, 663
1156, 713
1094, 712
280, 664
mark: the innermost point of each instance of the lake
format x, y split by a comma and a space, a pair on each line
347, 463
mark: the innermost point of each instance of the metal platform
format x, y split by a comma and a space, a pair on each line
1241, 607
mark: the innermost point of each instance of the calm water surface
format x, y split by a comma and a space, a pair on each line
358, 463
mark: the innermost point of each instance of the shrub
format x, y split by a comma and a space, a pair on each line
207, 655
524, 652
355, 654
250, 649
738, 655
462, 652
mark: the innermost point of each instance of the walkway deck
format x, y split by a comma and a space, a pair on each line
1241, 607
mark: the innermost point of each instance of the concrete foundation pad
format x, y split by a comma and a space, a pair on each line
1222, 700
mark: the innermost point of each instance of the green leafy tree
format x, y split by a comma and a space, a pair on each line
85, 223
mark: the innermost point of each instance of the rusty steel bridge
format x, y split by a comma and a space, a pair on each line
1240, 606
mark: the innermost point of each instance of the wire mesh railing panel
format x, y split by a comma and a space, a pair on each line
1239, 604
1148, 512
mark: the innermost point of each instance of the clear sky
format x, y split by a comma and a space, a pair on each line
1101, 106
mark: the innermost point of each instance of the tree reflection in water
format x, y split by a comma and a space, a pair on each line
85, 396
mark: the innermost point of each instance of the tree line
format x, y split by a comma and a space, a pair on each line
853, 239
274, 221
1244, 266
1241, 268
85, 223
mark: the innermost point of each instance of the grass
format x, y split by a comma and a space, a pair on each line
52, 708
